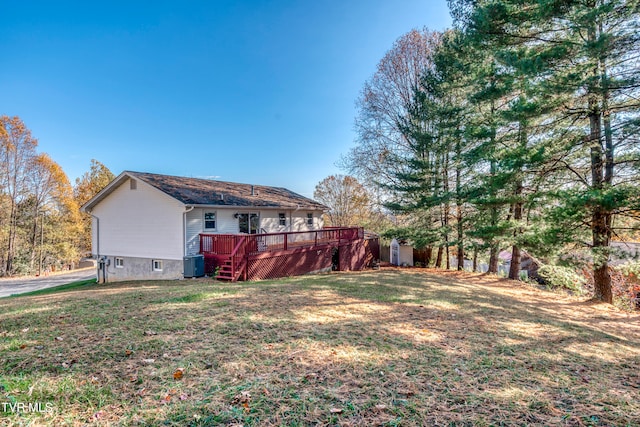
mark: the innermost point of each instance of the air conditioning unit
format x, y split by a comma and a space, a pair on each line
194, 266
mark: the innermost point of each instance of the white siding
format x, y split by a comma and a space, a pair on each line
142, 223
299, 221
270, 221
194, 227
227, 224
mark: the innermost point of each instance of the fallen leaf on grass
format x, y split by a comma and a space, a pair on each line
59, 339
23, 346
97, 415
128, 352
148, 361
149, 333
243, 399
178, 374
381, 407
335, 410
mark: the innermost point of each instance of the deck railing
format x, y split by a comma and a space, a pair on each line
224, 244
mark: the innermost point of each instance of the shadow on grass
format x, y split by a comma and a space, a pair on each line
361, 349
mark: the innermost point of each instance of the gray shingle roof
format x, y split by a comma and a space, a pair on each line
197, 191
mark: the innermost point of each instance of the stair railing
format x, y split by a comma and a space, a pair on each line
238, 258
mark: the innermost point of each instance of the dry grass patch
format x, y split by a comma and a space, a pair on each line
390, 347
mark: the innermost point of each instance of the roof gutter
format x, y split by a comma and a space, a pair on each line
278, 208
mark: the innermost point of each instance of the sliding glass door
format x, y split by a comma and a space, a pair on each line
249, 223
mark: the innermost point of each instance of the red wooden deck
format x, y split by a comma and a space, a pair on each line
268, 256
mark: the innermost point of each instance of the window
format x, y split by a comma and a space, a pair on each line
119, 262
309, 219
282, 219
157, 265
209, 220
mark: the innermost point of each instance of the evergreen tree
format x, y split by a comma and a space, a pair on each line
581, 58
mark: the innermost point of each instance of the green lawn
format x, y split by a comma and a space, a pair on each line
388, 347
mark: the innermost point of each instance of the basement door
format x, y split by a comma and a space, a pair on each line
248, 223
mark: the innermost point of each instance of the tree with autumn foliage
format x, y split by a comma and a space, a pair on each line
39, 219
87, 186
348, 201
384, 103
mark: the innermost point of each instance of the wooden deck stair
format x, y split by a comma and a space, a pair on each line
226, 271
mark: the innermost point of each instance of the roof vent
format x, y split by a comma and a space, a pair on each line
253, 191
221, 196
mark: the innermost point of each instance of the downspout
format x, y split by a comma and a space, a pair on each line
184, 228
99, 264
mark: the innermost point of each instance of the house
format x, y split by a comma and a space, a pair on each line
144, 225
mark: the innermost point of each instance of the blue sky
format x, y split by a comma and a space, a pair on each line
248, 91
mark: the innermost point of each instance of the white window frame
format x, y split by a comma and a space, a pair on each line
310, 218
119, 262
157, 265
282, 218
204, 220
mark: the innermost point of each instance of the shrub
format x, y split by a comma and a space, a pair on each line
627, 285
556, 276
630, 269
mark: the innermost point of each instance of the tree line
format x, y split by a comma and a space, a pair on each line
516, 129
41, 227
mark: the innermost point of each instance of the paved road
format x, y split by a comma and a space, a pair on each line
21, 285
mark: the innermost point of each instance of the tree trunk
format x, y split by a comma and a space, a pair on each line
428, 255
601, 217
34, 241
493, 260
448, 257
475, 260
439, 257
459, 214
446, 211
601, 273
514, 269
11, 241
